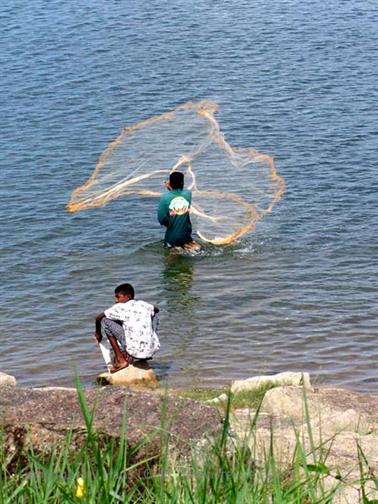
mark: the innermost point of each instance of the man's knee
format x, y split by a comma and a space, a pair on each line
113, 328
105, 323
110, 327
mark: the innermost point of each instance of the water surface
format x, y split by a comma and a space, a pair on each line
296, 80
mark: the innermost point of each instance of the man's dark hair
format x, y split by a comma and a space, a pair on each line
176, 180
125, 289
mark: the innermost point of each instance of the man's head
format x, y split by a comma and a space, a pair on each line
176, 180
124, 292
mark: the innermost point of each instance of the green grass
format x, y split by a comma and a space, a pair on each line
199, 394
221, 472
244, 399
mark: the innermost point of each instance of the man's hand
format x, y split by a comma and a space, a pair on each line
97, 334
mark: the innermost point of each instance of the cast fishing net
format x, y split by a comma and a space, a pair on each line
232, 188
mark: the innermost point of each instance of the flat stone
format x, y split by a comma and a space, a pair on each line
138, 373
280, 379
6, 379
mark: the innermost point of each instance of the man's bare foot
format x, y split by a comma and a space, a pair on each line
118, 367
192, 246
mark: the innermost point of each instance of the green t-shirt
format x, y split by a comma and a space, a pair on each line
173, 212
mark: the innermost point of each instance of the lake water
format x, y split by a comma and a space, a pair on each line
296, 80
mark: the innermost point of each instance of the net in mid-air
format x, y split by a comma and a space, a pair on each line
232, 188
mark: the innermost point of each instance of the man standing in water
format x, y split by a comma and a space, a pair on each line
174, 213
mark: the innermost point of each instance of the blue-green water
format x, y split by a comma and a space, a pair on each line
296, 80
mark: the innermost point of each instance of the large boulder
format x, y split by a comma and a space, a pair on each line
339, 427
38, 419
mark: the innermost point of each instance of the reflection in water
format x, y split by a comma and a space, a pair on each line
178, 276
181, 328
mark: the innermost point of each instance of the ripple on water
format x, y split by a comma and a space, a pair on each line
300, 293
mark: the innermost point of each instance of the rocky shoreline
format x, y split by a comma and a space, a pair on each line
338, 422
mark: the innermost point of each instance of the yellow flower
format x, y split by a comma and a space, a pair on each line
80, 489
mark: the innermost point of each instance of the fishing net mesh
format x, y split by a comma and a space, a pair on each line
233, 188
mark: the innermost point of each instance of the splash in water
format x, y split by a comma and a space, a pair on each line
233, 188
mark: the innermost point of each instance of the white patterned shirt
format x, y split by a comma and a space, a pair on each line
139, 323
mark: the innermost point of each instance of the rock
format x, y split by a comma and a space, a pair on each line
38, 419
6, 379
288, 401
280, 379
222, 399
339, 421
46, 389
138, 373
343, 433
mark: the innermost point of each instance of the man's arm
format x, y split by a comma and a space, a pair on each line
98, 334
